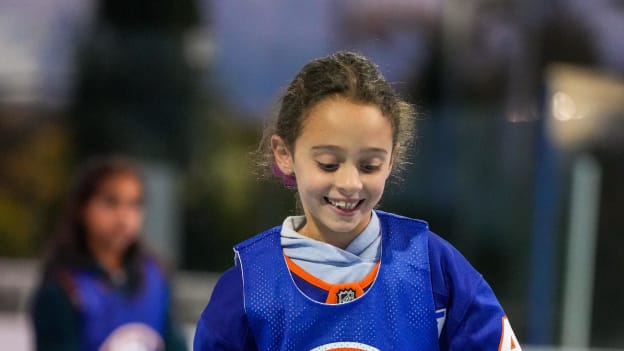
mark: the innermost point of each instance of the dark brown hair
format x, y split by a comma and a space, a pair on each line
342, 74
69, 246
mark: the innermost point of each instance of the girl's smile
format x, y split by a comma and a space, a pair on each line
346, 207
341, 161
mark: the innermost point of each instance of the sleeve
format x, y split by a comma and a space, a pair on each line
223, 325
475, 319
55, 320
483, 326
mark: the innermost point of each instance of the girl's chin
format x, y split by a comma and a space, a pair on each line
342, 229
346, 225
121, 245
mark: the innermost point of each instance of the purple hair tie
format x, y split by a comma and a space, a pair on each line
289, 180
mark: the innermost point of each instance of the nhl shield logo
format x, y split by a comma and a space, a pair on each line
345, 295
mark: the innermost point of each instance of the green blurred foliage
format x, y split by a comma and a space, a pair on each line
33, 178
226, 202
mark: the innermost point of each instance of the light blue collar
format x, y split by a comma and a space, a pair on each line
330, 263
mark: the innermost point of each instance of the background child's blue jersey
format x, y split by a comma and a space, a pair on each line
467, 313
108, 315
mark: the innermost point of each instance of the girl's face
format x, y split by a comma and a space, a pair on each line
341, 162
113, 217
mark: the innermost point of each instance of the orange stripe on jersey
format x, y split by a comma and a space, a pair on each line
306, 276
370, 277
336, 293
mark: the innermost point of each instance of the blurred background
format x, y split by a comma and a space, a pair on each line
519, 160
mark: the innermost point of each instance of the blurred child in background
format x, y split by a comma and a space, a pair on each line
100, 289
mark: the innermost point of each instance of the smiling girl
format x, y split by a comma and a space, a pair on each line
345, 276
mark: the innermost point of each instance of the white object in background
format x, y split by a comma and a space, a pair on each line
162, 221
581, 252
15, 332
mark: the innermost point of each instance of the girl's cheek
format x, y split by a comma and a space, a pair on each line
95, 223
91, 217
138, 223
99, 218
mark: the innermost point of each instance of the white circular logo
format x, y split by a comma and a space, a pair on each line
345, 346
133, 337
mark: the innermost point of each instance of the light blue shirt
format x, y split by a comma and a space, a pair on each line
330, 263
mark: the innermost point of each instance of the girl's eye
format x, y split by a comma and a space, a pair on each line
328, 167
370, 168
110, 201
138, 204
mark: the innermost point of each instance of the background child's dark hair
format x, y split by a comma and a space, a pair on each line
342, 74
69, 247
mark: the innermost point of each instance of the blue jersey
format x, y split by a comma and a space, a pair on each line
422, 289
110, 318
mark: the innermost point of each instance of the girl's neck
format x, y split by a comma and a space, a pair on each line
318, 231
110, 260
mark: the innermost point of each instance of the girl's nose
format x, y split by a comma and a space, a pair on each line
348, 179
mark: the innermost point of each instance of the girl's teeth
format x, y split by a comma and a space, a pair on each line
344, 205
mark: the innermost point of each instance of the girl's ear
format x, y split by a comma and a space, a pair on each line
281, 154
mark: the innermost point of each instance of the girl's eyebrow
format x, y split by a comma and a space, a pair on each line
337, 149
332, 148
375, 150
